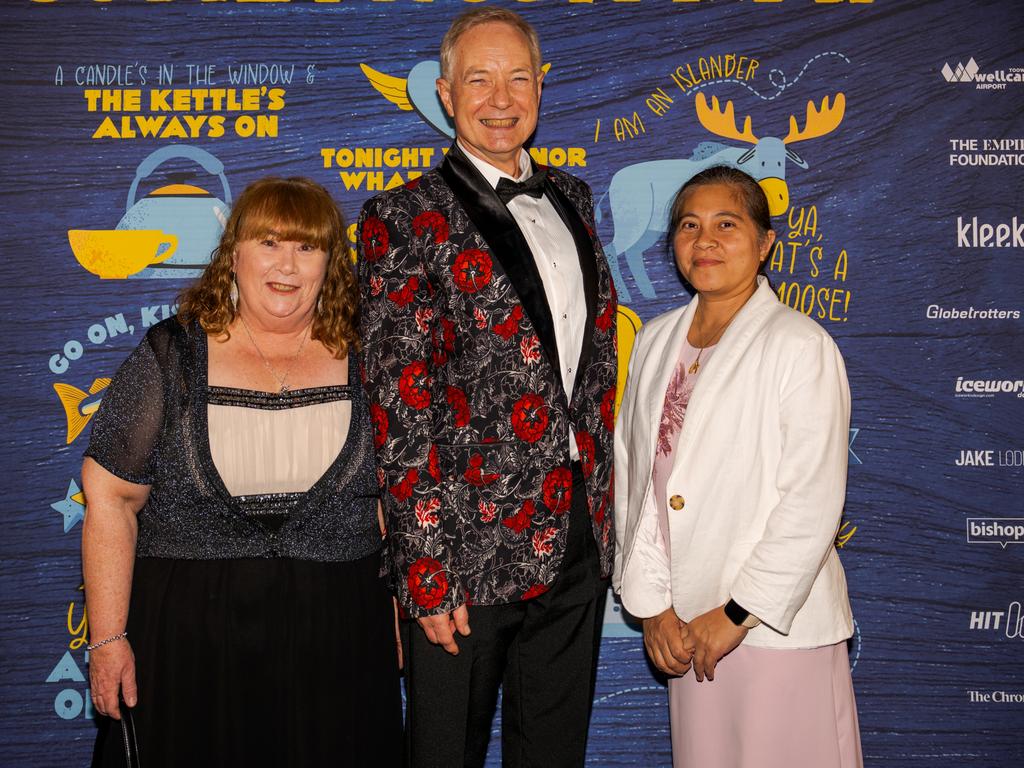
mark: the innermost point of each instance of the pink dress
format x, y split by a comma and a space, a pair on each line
766, 708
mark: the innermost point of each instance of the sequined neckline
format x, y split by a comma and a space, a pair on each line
277, 401
200, 374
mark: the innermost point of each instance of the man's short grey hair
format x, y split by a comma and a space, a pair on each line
478, 16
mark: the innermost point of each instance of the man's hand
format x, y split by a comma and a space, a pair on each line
440, 629
715, 635
665, 638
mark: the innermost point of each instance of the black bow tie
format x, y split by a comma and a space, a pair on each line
533, 186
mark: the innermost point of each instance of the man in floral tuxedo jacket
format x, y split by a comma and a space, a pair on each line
488, 324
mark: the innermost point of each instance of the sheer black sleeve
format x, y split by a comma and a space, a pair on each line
127, 426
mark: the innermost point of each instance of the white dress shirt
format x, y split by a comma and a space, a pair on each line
554, 253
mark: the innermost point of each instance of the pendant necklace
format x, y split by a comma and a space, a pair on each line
273, 372
700, 350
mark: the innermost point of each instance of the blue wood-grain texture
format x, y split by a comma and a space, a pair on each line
883, 189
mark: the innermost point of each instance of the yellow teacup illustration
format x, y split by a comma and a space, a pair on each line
113, 254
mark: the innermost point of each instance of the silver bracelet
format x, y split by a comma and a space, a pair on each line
112, 638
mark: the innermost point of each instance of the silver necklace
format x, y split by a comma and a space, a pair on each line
273, 372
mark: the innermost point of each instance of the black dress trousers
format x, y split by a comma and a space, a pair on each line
541, 653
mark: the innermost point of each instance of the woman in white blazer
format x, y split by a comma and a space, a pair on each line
730, 475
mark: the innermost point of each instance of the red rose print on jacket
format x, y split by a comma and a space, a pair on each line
520, 521
608, 409
433, 222
472, 270
509, 327
529, 417
557, 490
404, 295
379, 418
434, 464
402, 490
585, 445
542, 545
427, 582
604, 320
475, 475
414, 385
488, 510
529, 348
460, 407
535, 591
375, 238
426, 513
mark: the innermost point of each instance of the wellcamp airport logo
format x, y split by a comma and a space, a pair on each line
995, 530
970, 72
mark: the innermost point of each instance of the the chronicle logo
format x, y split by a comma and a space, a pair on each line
995, 530
936, 312
1009, 622
990, 81
996, 697
988, 387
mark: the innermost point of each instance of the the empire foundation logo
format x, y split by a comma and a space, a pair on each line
995, 530
970, 72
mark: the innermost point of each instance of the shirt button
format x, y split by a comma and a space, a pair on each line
565, 316
570, 370
677, 502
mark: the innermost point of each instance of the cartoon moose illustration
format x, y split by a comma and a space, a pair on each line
639, 195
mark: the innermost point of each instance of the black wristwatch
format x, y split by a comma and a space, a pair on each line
740, 616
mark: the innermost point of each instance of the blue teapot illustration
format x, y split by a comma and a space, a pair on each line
190, 213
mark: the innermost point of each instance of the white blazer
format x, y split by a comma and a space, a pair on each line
761, 467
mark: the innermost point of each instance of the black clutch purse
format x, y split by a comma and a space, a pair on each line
128, 739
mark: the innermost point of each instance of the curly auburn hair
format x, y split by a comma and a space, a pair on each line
290, 209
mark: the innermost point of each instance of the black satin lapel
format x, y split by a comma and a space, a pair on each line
588, 264
503, 236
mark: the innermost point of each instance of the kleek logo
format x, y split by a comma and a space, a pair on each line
990, 458
971, 234
935, 312
1009, 623
988, 387
995, 530
989, 81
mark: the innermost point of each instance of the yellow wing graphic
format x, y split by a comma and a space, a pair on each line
394, 89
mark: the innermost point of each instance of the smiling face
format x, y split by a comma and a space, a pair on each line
718, 247
493, 93
278, 281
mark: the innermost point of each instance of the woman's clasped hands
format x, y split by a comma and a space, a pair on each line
674, 645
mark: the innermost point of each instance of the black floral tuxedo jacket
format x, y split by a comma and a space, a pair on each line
471, 420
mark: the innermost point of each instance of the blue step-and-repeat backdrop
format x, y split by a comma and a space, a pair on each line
890, 132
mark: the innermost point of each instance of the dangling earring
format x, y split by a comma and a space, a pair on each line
233, 293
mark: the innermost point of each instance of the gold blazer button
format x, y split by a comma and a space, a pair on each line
677, 502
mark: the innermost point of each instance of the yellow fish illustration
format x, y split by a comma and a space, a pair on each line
80, 406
